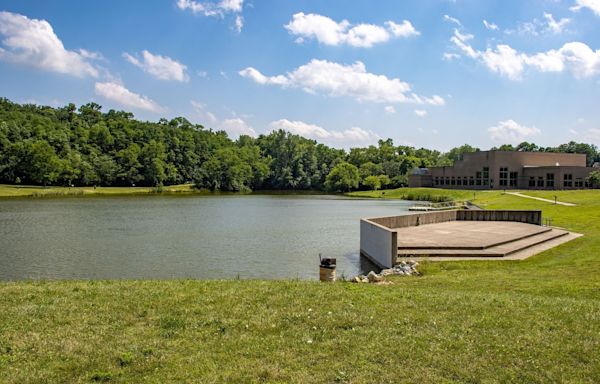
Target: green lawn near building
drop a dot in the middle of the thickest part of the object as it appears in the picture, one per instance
(536, 320)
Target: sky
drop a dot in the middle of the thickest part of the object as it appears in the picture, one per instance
(430, 73)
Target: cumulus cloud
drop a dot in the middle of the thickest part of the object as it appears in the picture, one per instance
(215, 9)
(536, 27)
(592, 5)
(32, 42)
(161, 67)
(354, 135)
(420, 112)
(509, 131)
(119, 94)
(490, 26)
(577, 57)
(329, 32)
(237, 127)
(204, 114)
(453, 20)
(333, 79)
(389, 109)
(208, 8)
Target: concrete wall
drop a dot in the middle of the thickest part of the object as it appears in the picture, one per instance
(529, 217)
(415, 219)
(378, 243)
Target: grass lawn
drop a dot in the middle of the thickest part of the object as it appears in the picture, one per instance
(37, 191)
(536, 320)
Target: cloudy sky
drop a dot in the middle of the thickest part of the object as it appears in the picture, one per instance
(435, 73)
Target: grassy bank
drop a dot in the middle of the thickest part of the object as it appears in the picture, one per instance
(420, 194)
(37, 191)
(536, 320)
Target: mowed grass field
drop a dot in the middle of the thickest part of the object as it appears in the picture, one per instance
(37, 191)
(531, 321)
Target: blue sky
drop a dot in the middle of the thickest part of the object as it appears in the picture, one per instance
(433, 73)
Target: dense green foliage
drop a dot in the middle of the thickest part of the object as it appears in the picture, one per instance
(41, 145)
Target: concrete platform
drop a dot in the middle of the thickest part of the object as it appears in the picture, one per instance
(465, 234)
(475, 239)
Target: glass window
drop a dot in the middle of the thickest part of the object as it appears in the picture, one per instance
(550, 180)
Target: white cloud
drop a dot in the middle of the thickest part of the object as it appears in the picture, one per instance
(420, 112)
(404, 29)
(537, 27)
(216, 9)
(354, 135)
(452, 20)
(239, 23)
(124, 97)
(389, 109)
(208, 8)
(593, 5)
(161, 67)
(329, 32)
(450, 56)
(490, 26)
(204, 114)
(333, 79)
(33, 42)
(509, 131)
(554, 26)
(577, 57)
(236, 127)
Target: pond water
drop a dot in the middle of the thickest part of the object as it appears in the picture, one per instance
(163, 237)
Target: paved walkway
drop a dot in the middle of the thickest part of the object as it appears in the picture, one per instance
(541, 199)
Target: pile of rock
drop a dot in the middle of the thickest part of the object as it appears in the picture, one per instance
(403, 268)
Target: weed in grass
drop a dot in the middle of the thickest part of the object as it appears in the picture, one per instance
(101, 377)
(125, 359)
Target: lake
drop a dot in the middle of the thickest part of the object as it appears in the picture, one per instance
(257, 236)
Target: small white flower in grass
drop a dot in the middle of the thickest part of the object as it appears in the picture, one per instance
(329, 313)
(309, 341)
(309, 309)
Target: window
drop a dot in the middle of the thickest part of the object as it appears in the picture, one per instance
(465, 180)
(471, 180)
(550, 180)
(513, 179)
(532, 181)
(540, 181)
(579, 184)
(447, 180)
(458, 181)
(568, 180)
(503, 177)
(452, 180)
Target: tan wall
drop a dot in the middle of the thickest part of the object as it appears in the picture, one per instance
(411, 220)
(523, 163)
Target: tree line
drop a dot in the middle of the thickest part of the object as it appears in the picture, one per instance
(84, 146)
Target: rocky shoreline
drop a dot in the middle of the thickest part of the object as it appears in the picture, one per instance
(403, 268)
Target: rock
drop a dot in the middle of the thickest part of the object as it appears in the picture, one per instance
(357, 279)
(386, 272)
(375, 278)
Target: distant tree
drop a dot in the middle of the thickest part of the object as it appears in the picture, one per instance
(594, 179)
(343, 178)
(372, 182)
(455, 154)
(527, 147)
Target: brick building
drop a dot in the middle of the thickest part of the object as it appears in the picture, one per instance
(507, 170)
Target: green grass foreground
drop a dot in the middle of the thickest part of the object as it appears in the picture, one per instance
(37, 191)
(536, 320)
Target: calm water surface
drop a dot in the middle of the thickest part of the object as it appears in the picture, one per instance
(162, 237)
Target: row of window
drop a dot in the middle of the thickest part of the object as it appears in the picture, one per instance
(508, 179)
